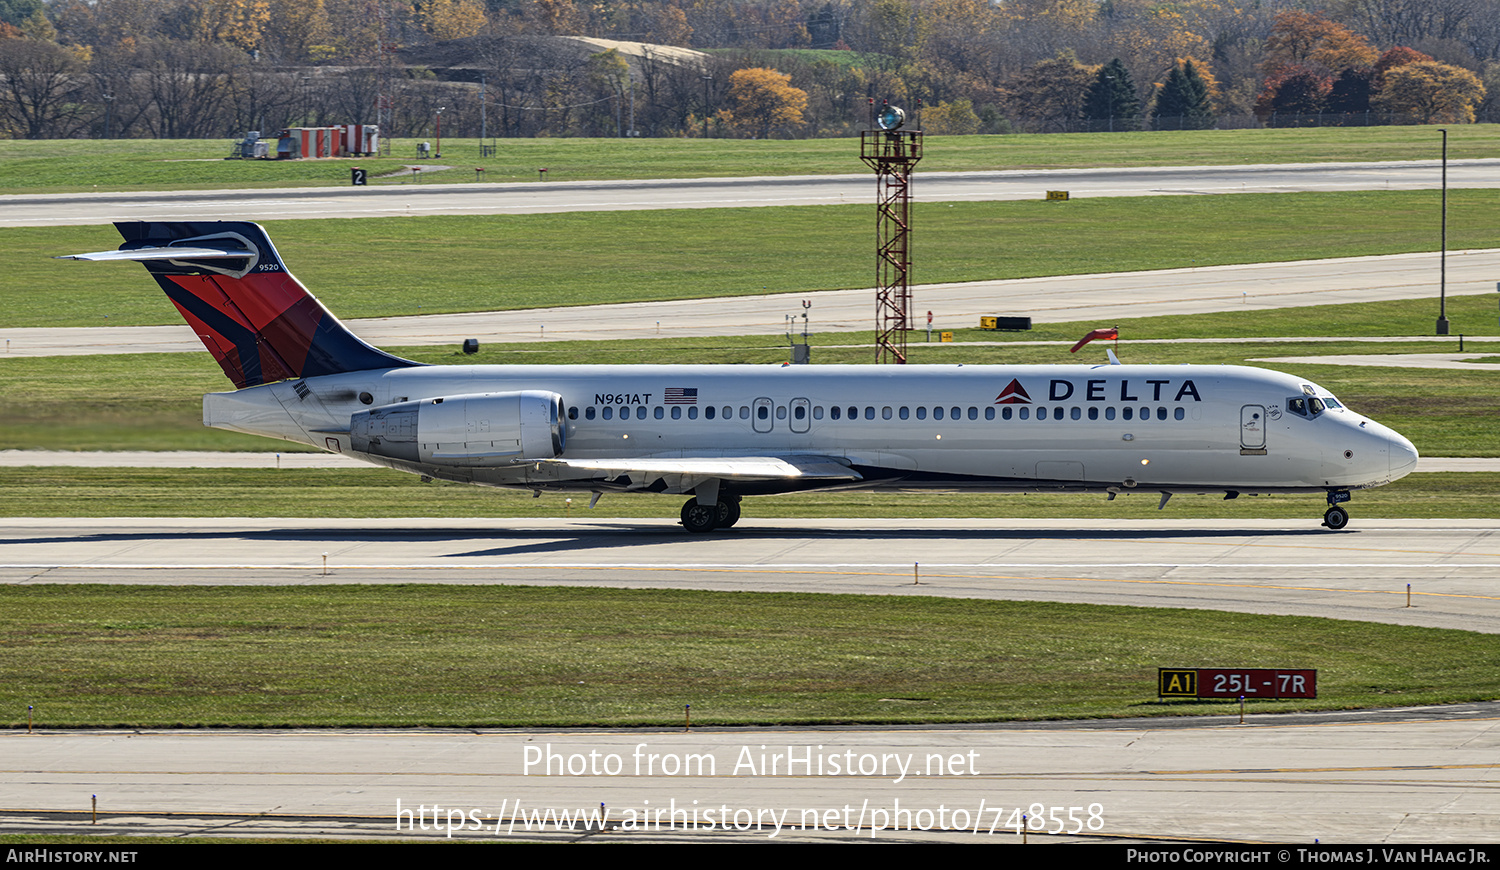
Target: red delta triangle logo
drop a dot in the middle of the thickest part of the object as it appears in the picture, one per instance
(1013, 394)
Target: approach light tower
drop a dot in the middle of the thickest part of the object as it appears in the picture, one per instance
(892, 152)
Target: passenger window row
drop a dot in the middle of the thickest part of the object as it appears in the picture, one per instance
(853, 412)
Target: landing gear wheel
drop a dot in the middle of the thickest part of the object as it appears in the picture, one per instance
(699, 518)
(729, 512)
(1336, 518)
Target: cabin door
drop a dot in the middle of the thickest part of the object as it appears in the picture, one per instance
(1253, 427)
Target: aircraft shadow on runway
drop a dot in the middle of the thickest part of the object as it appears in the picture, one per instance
(624, 535)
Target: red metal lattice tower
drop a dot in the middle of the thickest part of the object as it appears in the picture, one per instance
(892, 154)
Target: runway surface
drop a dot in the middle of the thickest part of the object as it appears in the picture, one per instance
(1257, 566)
(531, 198)
(1425, 776)
(1105, 297)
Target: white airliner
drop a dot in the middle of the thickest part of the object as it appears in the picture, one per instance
(718, 433)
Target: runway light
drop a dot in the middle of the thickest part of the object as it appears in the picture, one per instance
(1145, 462)
(890, 118)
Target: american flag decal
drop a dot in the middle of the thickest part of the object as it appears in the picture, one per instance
(681, 396)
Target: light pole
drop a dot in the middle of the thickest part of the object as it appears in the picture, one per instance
(1111, 86)
(707, 80)
(439, 131)
(1442, 321)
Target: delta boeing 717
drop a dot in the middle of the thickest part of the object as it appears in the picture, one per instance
(719, 433)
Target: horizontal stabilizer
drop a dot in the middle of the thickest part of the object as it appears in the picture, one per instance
(182, 252)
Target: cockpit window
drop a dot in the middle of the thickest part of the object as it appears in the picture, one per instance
(1311, 406)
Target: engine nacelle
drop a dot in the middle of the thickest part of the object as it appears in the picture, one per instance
(481, 429)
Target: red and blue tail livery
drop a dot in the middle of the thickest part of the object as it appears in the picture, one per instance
(257, 320)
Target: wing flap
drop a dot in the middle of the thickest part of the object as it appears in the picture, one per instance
(723, 467)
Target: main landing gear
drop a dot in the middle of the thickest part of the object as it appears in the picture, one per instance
(698, 518)
(1336, 517)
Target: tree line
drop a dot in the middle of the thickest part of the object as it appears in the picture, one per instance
(207, 68)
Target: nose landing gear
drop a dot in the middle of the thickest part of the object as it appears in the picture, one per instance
(1336, 517)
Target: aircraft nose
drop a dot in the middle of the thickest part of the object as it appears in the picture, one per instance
(1403, 455)
(1373, 454)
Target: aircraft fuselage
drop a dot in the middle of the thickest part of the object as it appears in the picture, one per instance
(1157, 428)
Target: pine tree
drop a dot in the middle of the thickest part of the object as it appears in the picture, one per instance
(1111, 102)
(1182, 103)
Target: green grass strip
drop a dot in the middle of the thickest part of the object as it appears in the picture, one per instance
(141, 164)
(505, 656)
(399, 266)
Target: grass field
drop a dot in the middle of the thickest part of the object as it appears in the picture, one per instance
(506, 655)
(119, 165)
(399, 266)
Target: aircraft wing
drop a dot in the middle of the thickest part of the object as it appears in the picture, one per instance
(722, 467)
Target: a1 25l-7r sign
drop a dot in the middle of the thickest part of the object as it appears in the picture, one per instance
(1267, 683)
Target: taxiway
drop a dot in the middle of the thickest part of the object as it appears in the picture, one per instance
(561, 196)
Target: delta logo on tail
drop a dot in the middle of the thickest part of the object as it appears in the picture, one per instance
(1013, 394)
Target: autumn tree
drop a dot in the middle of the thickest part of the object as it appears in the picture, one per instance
(762, 100)
(294, 27)
(453, 19)
(958, 38)
(1433, 93)
(1304, 39)
(1040, 29)
(951, 119)
(1396, 55)
(895, 30)
(239, 23)
(555, 16)
(1050, 94)
(1110, 100)
(1152, 38)
(1183, 102)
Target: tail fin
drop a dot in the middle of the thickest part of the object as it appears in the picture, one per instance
(258, 321)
